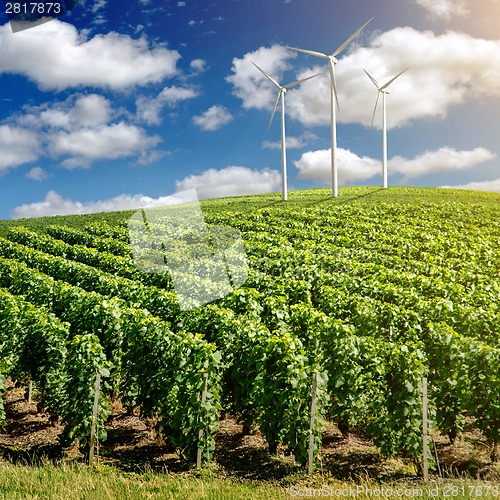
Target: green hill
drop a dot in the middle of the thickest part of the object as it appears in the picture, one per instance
(360, 296)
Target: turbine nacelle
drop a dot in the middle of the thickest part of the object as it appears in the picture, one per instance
(382, 89)
(332, 59)
(281, 88)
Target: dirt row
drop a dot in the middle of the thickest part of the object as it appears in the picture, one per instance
(134, 445)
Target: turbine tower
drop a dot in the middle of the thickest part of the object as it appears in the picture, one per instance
(281, 94)
(332, 60)
(384, 91)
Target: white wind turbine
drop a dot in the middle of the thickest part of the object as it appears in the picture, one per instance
(384, 91)
(332, 60)
(281, 94)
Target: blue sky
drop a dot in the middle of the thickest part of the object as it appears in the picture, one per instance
(120, 104)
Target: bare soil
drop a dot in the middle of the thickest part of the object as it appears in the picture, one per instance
(133, 445)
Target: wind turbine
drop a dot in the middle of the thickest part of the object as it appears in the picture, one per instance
(281, 94)
(332, 60)
(384, 91)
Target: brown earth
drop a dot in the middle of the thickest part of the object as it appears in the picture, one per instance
(133, 445)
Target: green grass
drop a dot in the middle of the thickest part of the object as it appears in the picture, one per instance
(63, 482)
(80, 482)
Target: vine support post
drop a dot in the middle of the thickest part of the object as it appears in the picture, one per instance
(94, 418)
(310, 461)
(30, 391)
(200, 433)
(425, 448)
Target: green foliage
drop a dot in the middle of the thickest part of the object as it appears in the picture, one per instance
(370, 291)
(87, 359)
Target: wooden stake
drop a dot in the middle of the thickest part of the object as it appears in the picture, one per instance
(310, 461)
(30, 391)
(424, 430)
(94, 418)
(200, 433)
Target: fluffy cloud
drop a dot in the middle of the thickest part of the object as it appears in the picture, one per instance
(441, 160)
(37, 174)
(444, 8)
(77, 111)
(316, 165)
(444, 71)
(231, 181)
(81, 130)
(213, 118)
(91, 110)
(211, 183)
(17, 146)
(107, 142)
(249, 84)
(198, 65)
(56, 56)
(292, 142)
(55, 204)
(148, 110)
(493, 185)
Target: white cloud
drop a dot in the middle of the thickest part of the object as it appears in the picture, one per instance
(316, 165)
(148, 110)
(292, 142)
(249, 84)
(17, 146)
(213, 118)
(441, 160)
(77, 111)
(37, 174)
(91, 110)
(444, 8)
(81, 130)
(56, 56)
(231, 181)
(98, 4)
(55, 204)
(198, 65)
(493, 185)
(107, 142)
(444, 71)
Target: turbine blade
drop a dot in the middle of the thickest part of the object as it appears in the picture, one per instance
(375, 108)
(392, 79)
(372, 79)
(310, 52)
(350, 39)
(274, 109)
(267, 75)
(333, 83)
(290, 85)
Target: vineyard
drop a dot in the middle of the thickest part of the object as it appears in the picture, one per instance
(360, 297)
